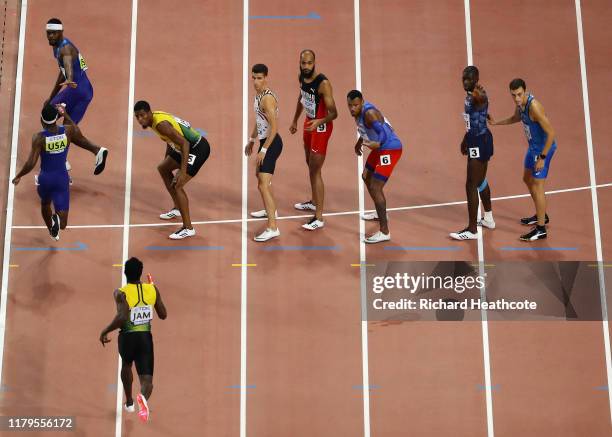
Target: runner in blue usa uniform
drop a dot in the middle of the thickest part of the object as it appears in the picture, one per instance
(541, 148)
(477, 144)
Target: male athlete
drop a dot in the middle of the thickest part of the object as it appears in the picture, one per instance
(541, 148)
(186, 151)
(317, 100)
(77, 91)
(135, 302)
(376, 133)
(477, 144)
(270, 147)
(51, 144)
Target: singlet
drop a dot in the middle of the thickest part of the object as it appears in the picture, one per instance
(369, 134)
(141, 300)
(536, 136)
(183, 128)
(55, 151)
(263, 125)
(475, 119)
(313, 104)
(79, 66)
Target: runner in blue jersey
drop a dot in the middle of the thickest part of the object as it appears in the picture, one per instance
(51, 144)
(542, 146)
(477, 144)
(77, 91)
(375, 132)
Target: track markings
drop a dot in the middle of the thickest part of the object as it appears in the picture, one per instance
(77, 247)
(310, 16)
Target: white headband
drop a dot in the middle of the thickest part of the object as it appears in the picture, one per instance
(54, 26)
(49, 121)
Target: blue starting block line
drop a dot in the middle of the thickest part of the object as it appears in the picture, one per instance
(78, 246)
(309, 16)
(537, 248)
(273, 248)
(238, 386)
(370, 387)
(424, 248)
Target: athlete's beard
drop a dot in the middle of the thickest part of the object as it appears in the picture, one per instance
(306, 74)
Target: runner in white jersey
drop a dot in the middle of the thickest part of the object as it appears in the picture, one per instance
(270, 147)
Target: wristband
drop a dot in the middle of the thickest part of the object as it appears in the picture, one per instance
(252, 140)
(264, 150)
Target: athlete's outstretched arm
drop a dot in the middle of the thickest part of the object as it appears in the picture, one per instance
(515, 118)
(37, 144)
(57, 87)
(298, 111)
(160, 308)
(537, 114)
(67, 53)
(122, 315)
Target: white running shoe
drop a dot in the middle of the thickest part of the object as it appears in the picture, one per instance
(143, 407)
(129, 408)
(305, 206)
(370, 216)
(173, 213)
(182, 233)
(377, 237)
(55, 227)
(464, 235)
(266, 235)
(262, 214)
(486, 223)
(100, 160)
(313, 224)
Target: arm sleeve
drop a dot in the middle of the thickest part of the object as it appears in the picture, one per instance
(380, 130)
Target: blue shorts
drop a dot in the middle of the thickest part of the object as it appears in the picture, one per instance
(479, 147)
(76, 99)
(54, 187)
(532, 156)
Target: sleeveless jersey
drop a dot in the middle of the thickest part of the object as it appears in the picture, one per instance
(369, 134)
(79, 66)
(536, 136)
(141, 300)
(263, 125)
(55, 151)
(475, 119)
(313, 105)
(183, 128)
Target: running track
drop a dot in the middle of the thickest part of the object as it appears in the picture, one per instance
(279, 349)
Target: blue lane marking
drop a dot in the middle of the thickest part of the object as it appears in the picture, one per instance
(421, 248)
(371, 387)
(150, 133)
(184, 247)
(79, 246)
(310, 16)
(538, 248)
(602, 388)
(238, 386)
(301, 248)
(482, 387)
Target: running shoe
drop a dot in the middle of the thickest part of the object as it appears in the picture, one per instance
(266, 235)
(143, 408)
(182, 233)
(173, 213)
(55, 227)
(377, 237)
(464, 235)
(100, 160)
(486, 223)
(533, 220)
(262, 214)
(305, 206)
(535, 234)
(369, 216)
(129, 408)
(313, 224)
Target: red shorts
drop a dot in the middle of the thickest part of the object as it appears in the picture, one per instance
(382, 162)
(316, 141)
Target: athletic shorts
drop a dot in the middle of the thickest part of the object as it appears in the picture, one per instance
(76, 99)
(198, 154)
(137, 347)
(274, 150)
(479, 147)
(382, 162)
(54, 187)
(530, 161)
(316, 141)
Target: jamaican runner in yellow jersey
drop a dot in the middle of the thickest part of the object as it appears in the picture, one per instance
(186, 151)
(135, 303)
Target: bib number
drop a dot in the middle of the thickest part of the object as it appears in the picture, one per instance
(141, 315)
(55, 144)
(322, 127)
(191, 159)
(474, 152)
(466, 118)
(385, 159)
(82, 63)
